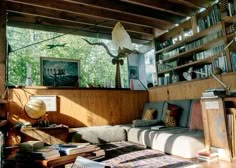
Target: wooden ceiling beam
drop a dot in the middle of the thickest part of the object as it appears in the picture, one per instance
(194, 3)
(169, 7)
(132, 9)
(75, 26)
(81, 31)
(97, 13)
(72, 18)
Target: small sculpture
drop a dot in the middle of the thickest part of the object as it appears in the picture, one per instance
(117, 60)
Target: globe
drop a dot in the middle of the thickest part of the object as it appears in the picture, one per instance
(35, 108)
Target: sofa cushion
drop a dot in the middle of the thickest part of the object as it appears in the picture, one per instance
(97, 135)
(144, 135)
(195, 120)
(157, 106)
(185, 106)
(185, 143)
(145, 123)
(173, 113)
(150, 114)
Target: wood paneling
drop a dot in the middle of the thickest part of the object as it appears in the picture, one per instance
(2, 45)
(81, 107)
(190, 90)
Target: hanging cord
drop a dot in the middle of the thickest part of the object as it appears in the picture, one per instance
(84, 28)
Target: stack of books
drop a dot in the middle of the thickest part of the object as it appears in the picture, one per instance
(214, 93)
(45, 153)
(157, 127)
(39, 154)
(76, 148)
(207, 155)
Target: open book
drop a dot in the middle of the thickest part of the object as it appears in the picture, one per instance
(157, 127)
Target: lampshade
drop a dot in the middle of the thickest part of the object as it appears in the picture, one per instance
(187, 76)
(121, 38)
(35, 108)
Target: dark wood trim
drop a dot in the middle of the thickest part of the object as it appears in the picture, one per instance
(96, 13)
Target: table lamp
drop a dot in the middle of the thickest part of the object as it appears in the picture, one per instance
(188, 76)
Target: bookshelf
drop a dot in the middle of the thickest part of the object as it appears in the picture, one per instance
(219, 133)
(202, 49)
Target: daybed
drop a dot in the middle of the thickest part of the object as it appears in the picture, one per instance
(184, 140)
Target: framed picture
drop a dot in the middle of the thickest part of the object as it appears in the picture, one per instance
(133, 72)
(59, 72)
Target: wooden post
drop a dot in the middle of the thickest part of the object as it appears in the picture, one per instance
(215, 129)
(2, 45)
(194, 24)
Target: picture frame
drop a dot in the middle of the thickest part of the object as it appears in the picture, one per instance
(59, 72)
(133, 72)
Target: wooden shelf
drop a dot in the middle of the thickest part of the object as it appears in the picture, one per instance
(205, 32)
(207, 60)
(229, 19)
(209, 45)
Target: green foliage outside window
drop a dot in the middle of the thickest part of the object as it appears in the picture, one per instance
(95, 64)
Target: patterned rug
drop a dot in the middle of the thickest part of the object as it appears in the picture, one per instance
(125, 154)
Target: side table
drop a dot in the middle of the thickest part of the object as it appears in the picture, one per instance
(49, 135)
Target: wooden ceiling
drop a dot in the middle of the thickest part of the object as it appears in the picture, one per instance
(97, 18)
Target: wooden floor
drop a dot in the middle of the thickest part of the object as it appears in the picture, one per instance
(216, 164)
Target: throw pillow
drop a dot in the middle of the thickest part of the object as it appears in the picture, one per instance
(195, 120)
(173, 113)
(150, 114)
(145, 123)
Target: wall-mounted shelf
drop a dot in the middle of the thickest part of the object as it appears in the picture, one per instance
(204, 61)
(203, 47)
(203, 33)
(203, 51)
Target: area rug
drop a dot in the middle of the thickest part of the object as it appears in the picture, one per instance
(125, 154)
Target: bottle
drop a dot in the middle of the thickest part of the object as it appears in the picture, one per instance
(28, 81)
(46, 121)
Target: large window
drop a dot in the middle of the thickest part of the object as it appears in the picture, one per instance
(27, 46)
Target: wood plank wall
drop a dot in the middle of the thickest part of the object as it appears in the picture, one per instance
(2, 45)
(78, 107)
(190, 90)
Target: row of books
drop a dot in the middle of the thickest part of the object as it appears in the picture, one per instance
(233, 60)
(231, 28)
(228, 7)
(160, 45)
(208, 53)
(204, 71)
(166, 66)
(204, 40)
(221, 63)
(194, 44)
(210, 19)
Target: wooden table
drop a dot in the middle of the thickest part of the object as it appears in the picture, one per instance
(63, 160)
(59, 162)
(49, 135)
